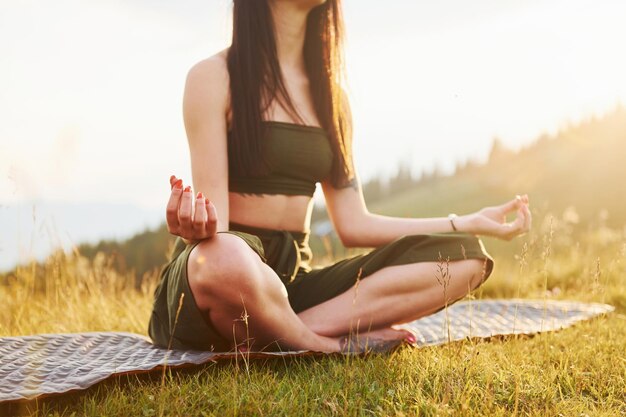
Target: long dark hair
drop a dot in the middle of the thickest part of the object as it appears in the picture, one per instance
(256, 80)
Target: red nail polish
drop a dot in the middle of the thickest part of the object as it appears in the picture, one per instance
(199, 195)
(178, 184)
(187, 189)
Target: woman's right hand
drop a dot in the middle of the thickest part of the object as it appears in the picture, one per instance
(190, 220)
(491, 221)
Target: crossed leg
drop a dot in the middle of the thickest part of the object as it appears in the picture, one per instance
(246, 301)
(244, 298)
(393, 295)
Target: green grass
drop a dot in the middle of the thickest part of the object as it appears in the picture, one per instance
(572, 372)
(577, 371)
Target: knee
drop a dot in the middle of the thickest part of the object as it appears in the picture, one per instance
(222, 264)
(474, 270)
(465, 275)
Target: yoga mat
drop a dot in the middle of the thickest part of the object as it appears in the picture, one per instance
(46, 364)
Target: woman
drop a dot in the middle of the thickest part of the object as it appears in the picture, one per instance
(265, 120)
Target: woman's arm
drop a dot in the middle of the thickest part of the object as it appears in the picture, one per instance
(205, 104)
(357, 227)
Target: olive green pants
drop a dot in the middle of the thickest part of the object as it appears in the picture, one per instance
(289, 254)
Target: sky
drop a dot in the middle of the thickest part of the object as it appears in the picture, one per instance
(91, 90)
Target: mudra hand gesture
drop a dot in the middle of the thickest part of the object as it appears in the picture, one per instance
(491, 221)
(186, 218)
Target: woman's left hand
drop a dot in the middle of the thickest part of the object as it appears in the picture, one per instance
(491, 221)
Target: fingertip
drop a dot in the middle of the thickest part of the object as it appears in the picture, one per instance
(513, 203)
(212, 214)
(185, 194)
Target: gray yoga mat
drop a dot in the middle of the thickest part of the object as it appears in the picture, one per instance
(46, 364)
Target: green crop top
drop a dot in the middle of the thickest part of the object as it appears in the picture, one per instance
(299, 156)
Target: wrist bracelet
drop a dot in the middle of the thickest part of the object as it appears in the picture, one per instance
(451, 217)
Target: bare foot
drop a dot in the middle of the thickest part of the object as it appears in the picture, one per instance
(380, 340)
(390, 333)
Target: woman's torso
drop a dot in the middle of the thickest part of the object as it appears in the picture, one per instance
(277, 211)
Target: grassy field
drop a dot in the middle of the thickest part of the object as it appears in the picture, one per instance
(574, 372)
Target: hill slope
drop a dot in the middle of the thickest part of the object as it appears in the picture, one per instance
(583, 166)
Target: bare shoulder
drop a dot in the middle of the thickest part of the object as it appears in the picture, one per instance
(207, 86)
(213, 69)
